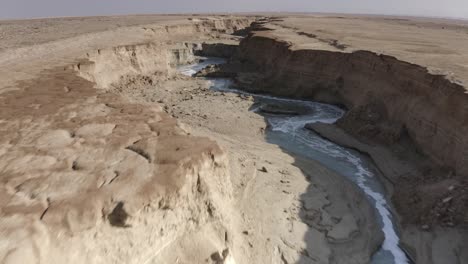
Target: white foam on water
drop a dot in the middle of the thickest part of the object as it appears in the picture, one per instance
(191, 69)
(391, 242)
(188, 72)
(294, 126)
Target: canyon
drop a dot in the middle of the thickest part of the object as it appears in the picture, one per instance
(112, 152)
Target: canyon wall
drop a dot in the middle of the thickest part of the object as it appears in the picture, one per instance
(388, 98)
(89, 177)
(157, 59)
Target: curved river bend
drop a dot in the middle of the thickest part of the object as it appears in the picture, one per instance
(289, 133)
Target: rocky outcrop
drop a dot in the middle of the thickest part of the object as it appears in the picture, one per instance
(89, 177)
(387, 97)
(106, 67)
(158, 58)
(100, 167)
(221, 50)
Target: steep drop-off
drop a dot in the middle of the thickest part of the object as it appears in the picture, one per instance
(401, 97)
(420, 117)
(89, 177)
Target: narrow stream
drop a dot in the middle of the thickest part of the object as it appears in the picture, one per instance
(288, 132)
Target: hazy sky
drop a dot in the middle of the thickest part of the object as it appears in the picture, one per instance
(48, 8)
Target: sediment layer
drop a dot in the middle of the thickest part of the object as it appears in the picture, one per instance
(395, 107)
(387, 98)
(80, 165)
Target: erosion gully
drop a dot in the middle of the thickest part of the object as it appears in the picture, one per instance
(289, 133)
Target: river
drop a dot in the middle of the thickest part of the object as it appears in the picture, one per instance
(288, 132)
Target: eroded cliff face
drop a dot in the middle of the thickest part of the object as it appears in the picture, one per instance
(154, 59)
(387, 98)
(89, 177)
(420, 117)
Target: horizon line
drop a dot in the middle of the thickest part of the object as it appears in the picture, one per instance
(253, 13)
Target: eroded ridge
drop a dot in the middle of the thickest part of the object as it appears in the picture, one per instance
(87, 175)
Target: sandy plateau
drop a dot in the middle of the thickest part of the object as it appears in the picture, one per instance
(108, 154)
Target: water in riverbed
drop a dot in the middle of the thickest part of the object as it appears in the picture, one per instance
(191, 69)
(289, 133)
